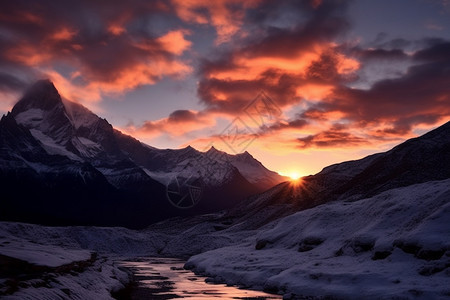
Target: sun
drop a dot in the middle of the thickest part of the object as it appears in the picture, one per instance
(293, 175)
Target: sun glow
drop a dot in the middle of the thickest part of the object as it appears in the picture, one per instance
(293, 175)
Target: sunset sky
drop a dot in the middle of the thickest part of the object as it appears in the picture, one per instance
(298, 84)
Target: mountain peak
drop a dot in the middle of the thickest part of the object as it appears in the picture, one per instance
(245, 154)
(214, 150)
(41, 95)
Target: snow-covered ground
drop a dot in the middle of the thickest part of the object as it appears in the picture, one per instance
(95, 281)
(41, 255)
(79, 262)
(393, 245)
(39, 262)
(30, 270)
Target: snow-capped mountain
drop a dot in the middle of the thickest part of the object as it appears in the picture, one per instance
(53, 150)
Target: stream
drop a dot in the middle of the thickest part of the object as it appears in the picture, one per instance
(165, 278)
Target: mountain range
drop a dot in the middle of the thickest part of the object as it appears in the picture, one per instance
(373, 228)
(62, 164)
(417, 160)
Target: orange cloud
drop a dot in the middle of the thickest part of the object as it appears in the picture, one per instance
(174, 41)
(63, 34)
(177, 124)
(225, 15)
(148, 72)
(26, 54)
(116, 29)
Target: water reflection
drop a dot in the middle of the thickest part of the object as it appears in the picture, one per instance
(165, 278)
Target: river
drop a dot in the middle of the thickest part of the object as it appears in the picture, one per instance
(165, 278)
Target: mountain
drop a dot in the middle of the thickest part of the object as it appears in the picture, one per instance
(62, 164)
(418, 160)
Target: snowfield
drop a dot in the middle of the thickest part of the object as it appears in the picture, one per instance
(393, 245)
(80, 262)
(96, 281)
(41, 271)
(41, 255)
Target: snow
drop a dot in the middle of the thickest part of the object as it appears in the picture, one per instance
(255, 172)
(41, 255)
(30, 118)
(96, 282)
(86, 147)
(68, 270)
(79, 115)
(393, 245)
(51, 146)
(104, 240)
(339, 240)
(162, 177)
(212, 172)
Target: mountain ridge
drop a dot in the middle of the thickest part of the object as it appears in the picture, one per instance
(417, 160)
(56, 129)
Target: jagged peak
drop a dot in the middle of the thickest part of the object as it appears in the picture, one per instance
(189, 148)
(214, 150)
(42, 95)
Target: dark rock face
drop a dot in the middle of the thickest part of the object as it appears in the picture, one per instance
(42, 95)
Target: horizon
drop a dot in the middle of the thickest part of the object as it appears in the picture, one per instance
(337, 84)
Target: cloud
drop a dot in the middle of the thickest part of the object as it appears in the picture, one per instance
(11, 83)
(291, 63)
(304, 66)
(331, 138)
(178, 123)
(380, 54)
(225, 15)
(395, 106)
(299, 52)
(108, 47)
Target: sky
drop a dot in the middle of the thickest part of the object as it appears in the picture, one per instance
(298, 84)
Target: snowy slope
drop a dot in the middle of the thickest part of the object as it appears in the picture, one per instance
(422, 159)
(41, 255)
(95, 281)
(395, 244)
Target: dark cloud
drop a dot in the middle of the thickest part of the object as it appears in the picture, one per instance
(380, 54)
(331, 138)
(177, 123)
(397, 43)
(183, 115)
(436, 53)
(11, 83)
(292, 124)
